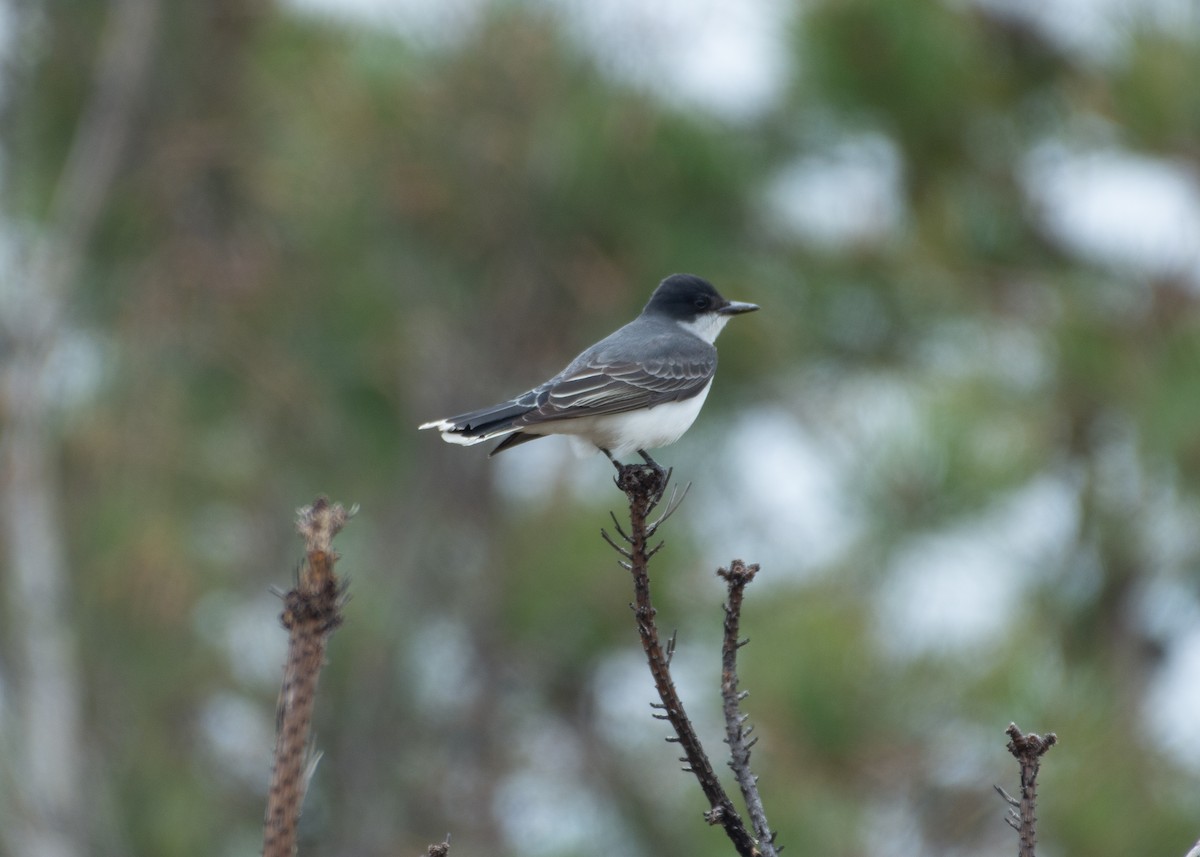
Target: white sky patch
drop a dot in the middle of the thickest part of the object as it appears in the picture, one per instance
(8, 41)
(441, 666)
(954, 592)
(1173, 700)
(891, 826)
(239, 733)
(850, 195)
(437, 23)
(960, 752)
(1166, 608)
(728, 58)
(986, 347)
(74, 369)
(1097, 30)
(545, 807)
(1172, 538)
(945, 593)
(552, 815)
(542, 472)
(780, 492)
(623, 690)
(1125, 211)
(247, 631)
(867, 411)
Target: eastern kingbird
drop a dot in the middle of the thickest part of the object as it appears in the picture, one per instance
(637, 389)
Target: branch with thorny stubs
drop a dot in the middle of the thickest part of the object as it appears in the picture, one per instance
(312, 610)
(1022, 814)
(737, 733)
(644, 485)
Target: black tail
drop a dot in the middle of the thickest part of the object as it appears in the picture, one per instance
(485, 422)
(477, 426)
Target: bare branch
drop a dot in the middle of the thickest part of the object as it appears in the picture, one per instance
(736, 577)
(620, 531)
(1022, 815)
(677, 497)
(622, 551)
(312, 610)
(644, 485)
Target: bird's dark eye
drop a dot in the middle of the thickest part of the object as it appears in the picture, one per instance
(701, 303)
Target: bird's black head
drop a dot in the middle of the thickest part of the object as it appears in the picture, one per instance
(686, 297)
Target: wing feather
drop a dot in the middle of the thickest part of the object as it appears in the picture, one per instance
(603, 381)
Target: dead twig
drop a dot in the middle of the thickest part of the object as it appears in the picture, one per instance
(737, 733)
(644, 485)
(1022, 814)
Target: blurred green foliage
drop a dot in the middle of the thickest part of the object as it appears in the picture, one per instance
(323, 234)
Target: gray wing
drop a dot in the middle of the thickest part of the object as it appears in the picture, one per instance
(604, 380)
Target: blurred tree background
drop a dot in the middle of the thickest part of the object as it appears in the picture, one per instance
(248, 247)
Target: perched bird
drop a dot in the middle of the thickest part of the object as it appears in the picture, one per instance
(637, 389)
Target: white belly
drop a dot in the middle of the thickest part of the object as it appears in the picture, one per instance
(622, 434)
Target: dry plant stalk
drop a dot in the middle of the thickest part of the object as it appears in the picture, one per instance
(312, 610)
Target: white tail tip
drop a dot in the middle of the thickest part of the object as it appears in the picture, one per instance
(451, 435)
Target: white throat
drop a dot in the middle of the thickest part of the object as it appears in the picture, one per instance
(708, 326)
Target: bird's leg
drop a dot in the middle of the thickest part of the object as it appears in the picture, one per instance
(615, 463)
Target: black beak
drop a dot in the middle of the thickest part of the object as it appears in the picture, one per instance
(737, 308)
